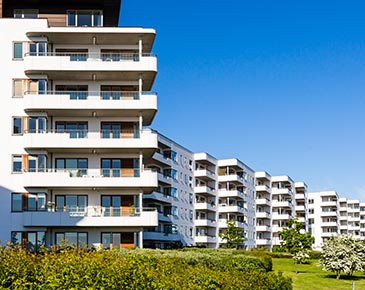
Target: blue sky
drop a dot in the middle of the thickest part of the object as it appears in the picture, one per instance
(278, 84)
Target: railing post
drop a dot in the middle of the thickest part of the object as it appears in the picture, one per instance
(140, 46)
(140, 84)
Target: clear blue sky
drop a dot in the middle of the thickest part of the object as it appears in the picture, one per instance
(278, 84)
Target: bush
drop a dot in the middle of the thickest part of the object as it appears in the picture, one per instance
(315, 255)
(137, 269)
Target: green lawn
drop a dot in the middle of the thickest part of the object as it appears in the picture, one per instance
(311, 277)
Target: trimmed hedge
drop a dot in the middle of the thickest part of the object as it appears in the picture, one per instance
(136, 269)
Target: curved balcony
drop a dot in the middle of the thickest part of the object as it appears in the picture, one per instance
(90, 103)
(92, 216)
(93, 66)
(93, 179)
(82, 141)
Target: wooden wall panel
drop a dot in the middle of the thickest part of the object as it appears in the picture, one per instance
(55, 20)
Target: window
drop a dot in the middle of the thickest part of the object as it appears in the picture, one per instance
(26, 13)
(36, 163)
(32, 240)
(18, 90)
(28, 201)
(119, 205)
(16, 202)
(120, 167)
(71, 203)
(17, 164)
(36, 124)
(75, 129)
(76, 166)
(17, 125)
(118, 240)
(75, 239)
(76, 92)
(18, 50)
(84, 18)
(38, 48)
(119, 130)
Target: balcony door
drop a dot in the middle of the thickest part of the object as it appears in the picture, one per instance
(118, 205)
(71, 203)
(118, 240)
(76, 166)
(75, 129)
(76, 92)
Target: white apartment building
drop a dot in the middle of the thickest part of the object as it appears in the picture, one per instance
(236, 194)
(350, 217)
(324, 216)
(173, 198)
(76, 97)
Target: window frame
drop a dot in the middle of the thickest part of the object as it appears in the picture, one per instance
(92, 13)
(22, 52)
(12, 164)
(23, 13)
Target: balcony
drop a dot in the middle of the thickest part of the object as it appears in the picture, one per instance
(263, 228)
(328, 235)
(204, 190)
(90, 178)
(263, 201)
(284, 216)
(87, 104)
(81, 141)
(162, 159)
(91, 217)
(263, 188)
(329, 224)
(282, 203)
(223, 224)
(93, 66)
(159, 197)
(231, 193)
(263, 215)
(234, 178)
(204, 223)
(160, 236)
(205, 239)
(205, 174)
(232, 209)
(205, 206)
(300, 208)
(329, 213)
(263, 242)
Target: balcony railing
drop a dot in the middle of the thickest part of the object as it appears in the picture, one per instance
(85, 134)
(99, 95)
(100, 211)
(85, 172)
(101, 56)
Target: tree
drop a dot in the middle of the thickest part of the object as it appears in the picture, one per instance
(295, 241)
(343, 254)
(233, 235)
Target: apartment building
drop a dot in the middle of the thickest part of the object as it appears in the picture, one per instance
(324, 216)
(173, 198)
(76, 97)
(350, 217)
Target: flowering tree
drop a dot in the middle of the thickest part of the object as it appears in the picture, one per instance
(343, 254)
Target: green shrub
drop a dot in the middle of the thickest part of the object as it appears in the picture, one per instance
(137, 269)
(315, 255)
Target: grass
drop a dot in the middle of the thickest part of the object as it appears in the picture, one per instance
(312, 277)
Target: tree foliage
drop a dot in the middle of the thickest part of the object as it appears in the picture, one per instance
(343, 254)
(293, 238)
(233, 236)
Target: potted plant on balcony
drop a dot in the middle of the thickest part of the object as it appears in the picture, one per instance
(132, 210)
(51, 205)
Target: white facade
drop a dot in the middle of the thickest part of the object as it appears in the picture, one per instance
(173, 198)
(74, 105)
(324, 216)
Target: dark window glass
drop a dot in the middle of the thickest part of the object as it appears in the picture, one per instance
(17, 163)
(17, 126)
(17, 202)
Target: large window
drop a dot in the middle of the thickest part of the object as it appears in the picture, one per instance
(26, 13)
(84, 18)
(71, 203)
(75, 239)
(76, 166)
(28, 201)
(119, 130)
(36, 163)
(119, 205)
(76, 92)
(38, 48)
(36, 124)
(120, 167)
(75, 129)
(18, 90)
(117, 240)
(32, 240)
(17, 50)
